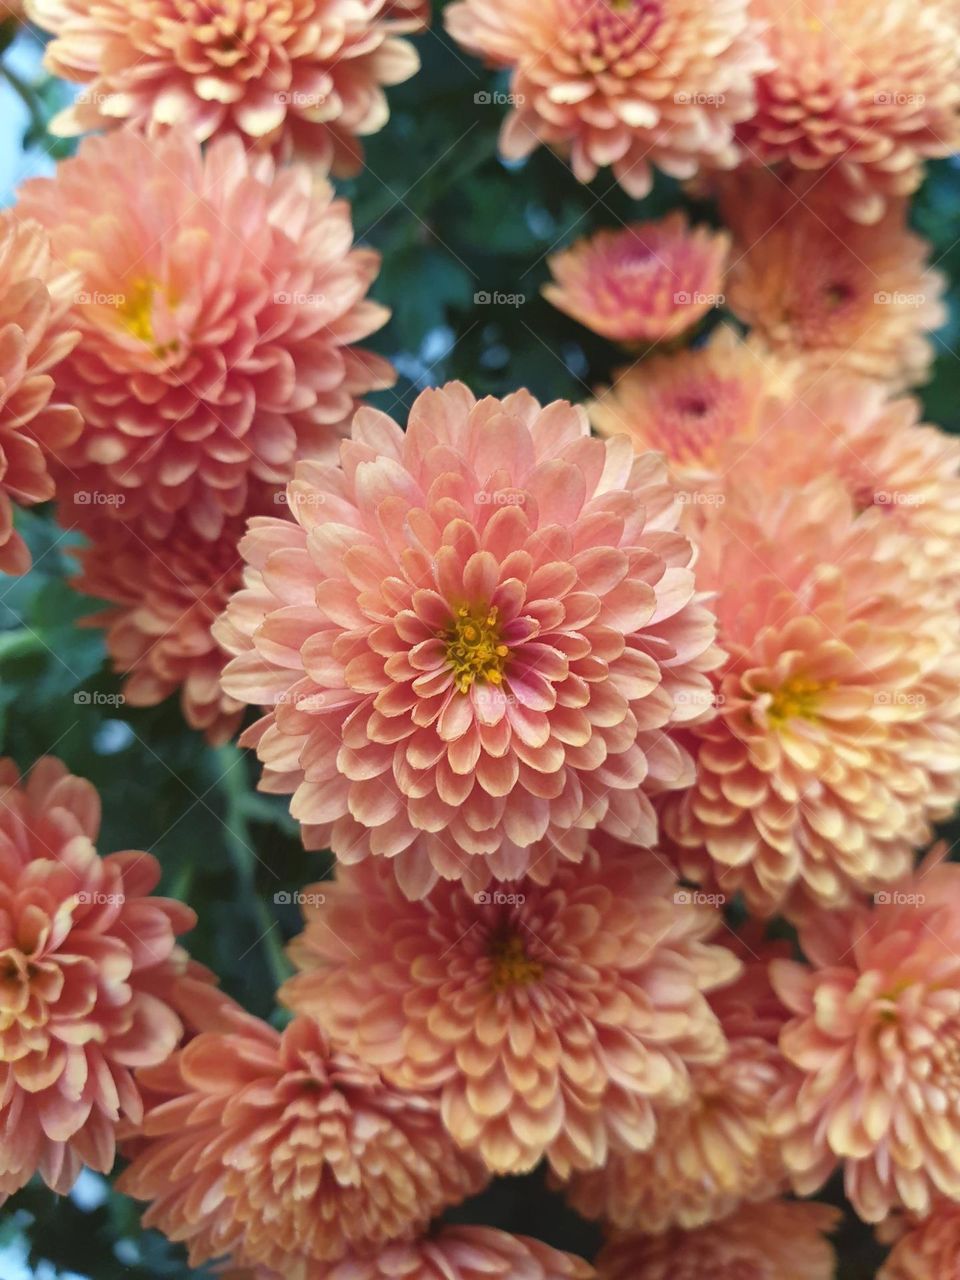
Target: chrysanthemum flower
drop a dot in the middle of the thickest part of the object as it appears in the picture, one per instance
(35, 294)
(874, 1043)
(903, 473)
(302, 76)
(407, 15)
(837, 738)
(716, 1149)
(84, 951)
(781, 1240)
(475, 642)
(691, 405)
(929, 1250)
(550, 1018)
(648, 282)
(277, 1150)
(163, 597)
(628, 85)
(815, 284)
(868, 89)
(451, 1253)
(219, 299)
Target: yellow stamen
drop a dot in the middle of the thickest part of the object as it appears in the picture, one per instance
(136, 313)
(512, 967)
(474, 648)
(796, 699)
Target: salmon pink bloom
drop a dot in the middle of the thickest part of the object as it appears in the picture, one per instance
(646, 283)
(218, 302)
(928, 1249)
(867, 89)
(303, 75)
(629, 84)
(550, 1018)
(87, 957)
(476, 642)
(780, 1240)
(875, 1041)
(284, 1153)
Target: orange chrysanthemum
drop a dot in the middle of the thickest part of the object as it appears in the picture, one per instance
(816, 285)
(691, 405)
(476, 642)
(550, 1018)
(647, 283)
(219, 301)
(35, 295)
(874, 1043)
(631, 84)
(451, 1253)
(277, 1150)
(837, 738)
(780, 1240)
(716, 1149)
(163, 598)
(86, 956)
(868, 89)
(303, 75)
(929, 1249)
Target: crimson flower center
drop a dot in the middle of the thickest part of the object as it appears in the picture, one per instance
(475, 649)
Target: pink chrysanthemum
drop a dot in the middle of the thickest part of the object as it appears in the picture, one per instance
(780, 1240)
(691, 405)
(85, 956)
(716, 1149)
(219, 301)
(550, 1018)
(163, 598)
(474, 643)
(874, 1043)
(837, 738)
(630, 85)
(816, 285)
(868, 89)
(929, 1249)
(903, 473)
(646, 283)
(307, 75)
(35, 334)
(277, 1150)
(452, 1253)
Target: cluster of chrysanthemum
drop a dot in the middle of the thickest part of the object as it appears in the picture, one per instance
(553, 699)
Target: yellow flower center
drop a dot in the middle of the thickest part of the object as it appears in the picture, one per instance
(474, 648)
(136, 313)
(512, 967)
(796, 699)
